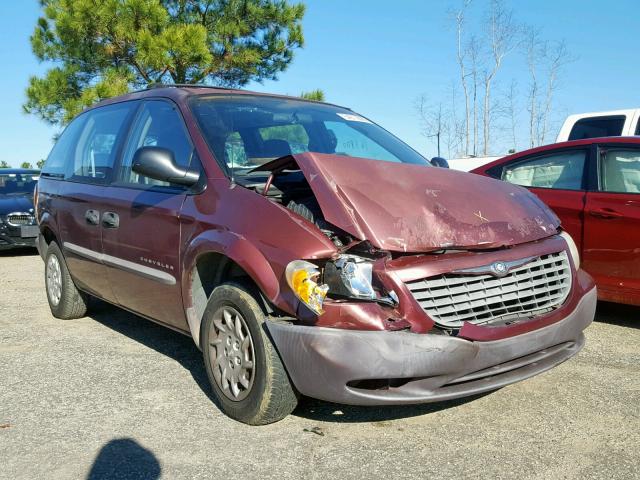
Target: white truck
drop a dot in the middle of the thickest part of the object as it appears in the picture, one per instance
(614, 123)
(468, 163)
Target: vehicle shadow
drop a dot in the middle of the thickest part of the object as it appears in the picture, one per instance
(321, 411)
(161, 339)
(19, 252)
(618, 314)
(182, 349)
(126, 459)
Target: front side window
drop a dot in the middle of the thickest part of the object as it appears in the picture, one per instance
(95, 149)
(620, 171)
(598, 127)
(158, 124)
(246, 131)
(562, 170)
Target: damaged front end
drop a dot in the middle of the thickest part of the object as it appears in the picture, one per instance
(430, 294)
(423, 222)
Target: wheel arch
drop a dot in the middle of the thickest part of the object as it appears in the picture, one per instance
(216, 257)
(47, 234)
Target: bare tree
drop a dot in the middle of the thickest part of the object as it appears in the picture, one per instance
(534, 51)
(432, 120)
(473, 50)
(455, 138)
(557, 56)
(512, 113)
(545, 62)
(502, 39)
(473, 118)
(459, 17)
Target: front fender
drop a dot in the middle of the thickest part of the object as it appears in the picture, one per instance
(237, 249)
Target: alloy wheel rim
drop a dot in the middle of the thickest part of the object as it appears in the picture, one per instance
(231, 353)
(54, 280)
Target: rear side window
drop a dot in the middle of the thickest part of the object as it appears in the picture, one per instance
(96, 146)
(58, 162)
(598, 127)
(620, 171)
(158, 124)
(562, 171)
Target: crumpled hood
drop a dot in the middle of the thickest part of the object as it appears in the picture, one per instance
(15, 203)
(413, 208)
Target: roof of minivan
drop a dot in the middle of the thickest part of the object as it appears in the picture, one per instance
(179, 92)
(558, 146)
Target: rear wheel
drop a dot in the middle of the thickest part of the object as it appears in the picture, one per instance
(248, 378)
(65, 300)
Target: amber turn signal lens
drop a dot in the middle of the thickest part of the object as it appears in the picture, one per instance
(302, 277)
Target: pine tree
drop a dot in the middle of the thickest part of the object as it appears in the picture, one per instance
(106, 48)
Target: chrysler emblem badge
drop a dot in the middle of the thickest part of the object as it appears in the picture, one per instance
(499, 268)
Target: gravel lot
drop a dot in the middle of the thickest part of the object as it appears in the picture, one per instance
(115, 396)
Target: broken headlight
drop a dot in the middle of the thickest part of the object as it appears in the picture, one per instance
(303, 277)
(350, 276)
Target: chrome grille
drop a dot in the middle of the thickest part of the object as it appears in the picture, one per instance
(17, 219)
(535, 288)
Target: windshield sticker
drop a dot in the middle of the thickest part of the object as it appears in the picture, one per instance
(353, 118)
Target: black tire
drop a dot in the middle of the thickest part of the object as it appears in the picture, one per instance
(71, 303)
(270, 397)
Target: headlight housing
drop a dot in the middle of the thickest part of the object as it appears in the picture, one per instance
(573, 249)
(350, 276)
(302, 277)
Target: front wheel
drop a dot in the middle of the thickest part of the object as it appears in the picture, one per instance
(248, 378)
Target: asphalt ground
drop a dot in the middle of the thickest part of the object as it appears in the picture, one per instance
(115, 396)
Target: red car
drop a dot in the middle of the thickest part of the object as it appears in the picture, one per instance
(593, 185)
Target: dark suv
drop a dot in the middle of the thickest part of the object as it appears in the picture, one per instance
(305, 250)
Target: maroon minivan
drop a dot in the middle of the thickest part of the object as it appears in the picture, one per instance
(306, 251)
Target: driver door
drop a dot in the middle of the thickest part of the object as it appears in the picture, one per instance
(141, 221)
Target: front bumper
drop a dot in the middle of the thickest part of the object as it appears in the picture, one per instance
(16, 241)
(344, 366)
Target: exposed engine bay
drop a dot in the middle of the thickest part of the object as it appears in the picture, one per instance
(289, 187)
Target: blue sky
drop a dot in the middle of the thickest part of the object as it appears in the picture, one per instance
(377, 57)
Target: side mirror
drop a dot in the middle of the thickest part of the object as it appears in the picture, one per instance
(439, 162)
(158, 163)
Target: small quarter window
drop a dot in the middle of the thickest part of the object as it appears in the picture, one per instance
(562, 171)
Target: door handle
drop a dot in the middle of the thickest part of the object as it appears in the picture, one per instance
(607, 213)
(110, 220)
(92, 217)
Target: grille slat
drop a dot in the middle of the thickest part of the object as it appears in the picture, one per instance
(489, 286)
(440, 299)
(478, 282)
(531, 289)
(18, 219)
